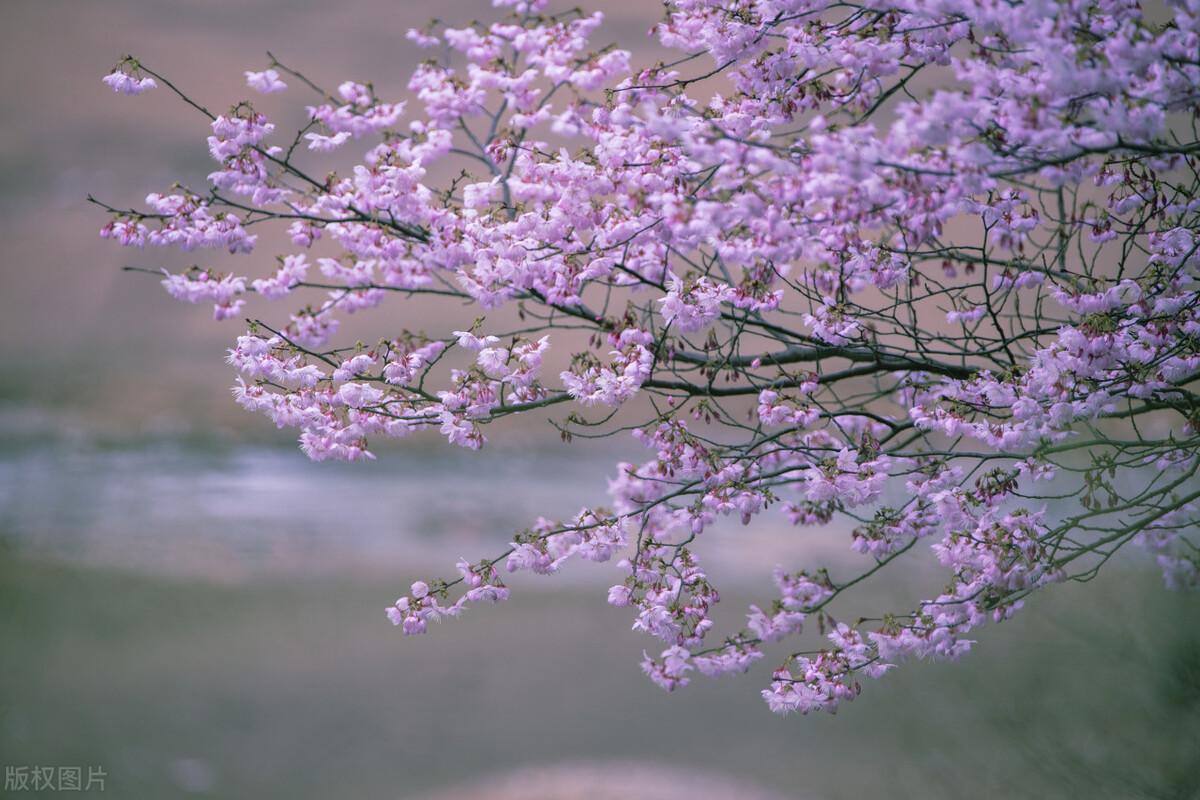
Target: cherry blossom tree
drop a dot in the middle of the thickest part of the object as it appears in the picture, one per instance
(925, 269)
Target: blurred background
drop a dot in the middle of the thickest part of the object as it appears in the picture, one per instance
(189, 605)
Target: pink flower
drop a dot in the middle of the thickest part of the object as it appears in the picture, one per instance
(266, 82)
(326, 144)
(124, 83)
(619, 595)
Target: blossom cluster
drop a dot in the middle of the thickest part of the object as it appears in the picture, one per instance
(929, 270)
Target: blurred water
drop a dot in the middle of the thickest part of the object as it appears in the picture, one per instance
(171, 507)
(237, 511)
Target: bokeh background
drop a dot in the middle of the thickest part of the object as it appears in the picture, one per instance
(188, 604)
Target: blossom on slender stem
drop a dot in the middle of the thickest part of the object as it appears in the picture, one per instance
(122, 82)
(266, 82)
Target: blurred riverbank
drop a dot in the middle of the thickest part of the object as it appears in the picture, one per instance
(298, 688)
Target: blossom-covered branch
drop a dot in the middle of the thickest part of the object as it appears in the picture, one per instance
(926, 269)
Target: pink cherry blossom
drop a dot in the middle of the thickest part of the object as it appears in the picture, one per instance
(266, 82)
(122, 82)
(924, 273)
